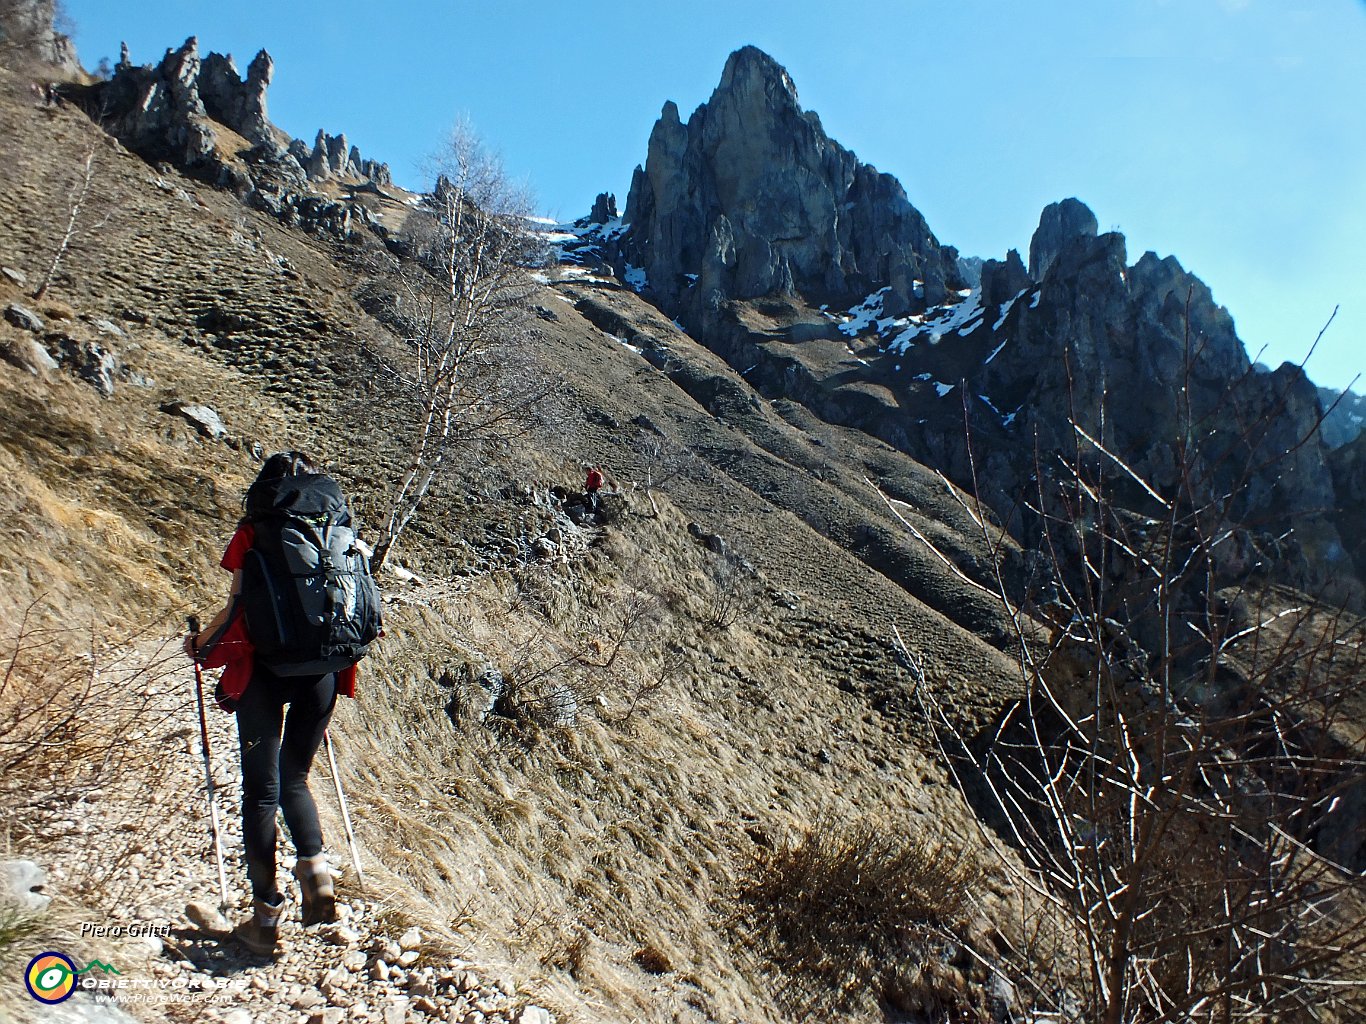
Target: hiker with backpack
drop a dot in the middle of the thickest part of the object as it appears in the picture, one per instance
(301, 613)
(592, 484)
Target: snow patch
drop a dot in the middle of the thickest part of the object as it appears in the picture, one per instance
(1005, 311)
(635, 278)
(865, 314)
(577, 241)
(961, 318)
(626, 344)
(943, 388)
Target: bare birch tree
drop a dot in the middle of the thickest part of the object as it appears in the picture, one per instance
(462, 303)
(662, 460)
(79, 203)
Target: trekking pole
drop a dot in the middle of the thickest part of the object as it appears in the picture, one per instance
(346, 815)
(208, 777)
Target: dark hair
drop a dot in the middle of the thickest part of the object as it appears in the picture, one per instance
(261, 494)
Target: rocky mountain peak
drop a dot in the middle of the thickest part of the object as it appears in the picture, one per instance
(1058, 225)
(750, 197)
(750, 71)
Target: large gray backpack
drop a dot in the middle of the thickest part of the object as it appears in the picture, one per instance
(310, 602)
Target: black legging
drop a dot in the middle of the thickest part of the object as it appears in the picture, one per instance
(275, 773)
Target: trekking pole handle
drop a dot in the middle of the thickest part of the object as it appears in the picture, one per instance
(193, 622)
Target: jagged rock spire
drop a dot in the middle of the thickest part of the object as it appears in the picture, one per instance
(751, 197)
(1058, 225)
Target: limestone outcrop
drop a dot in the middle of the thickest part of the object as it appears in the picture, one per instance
(177, 110)
(750, 197)
(29, 27)
(331, 158)
(237, 102)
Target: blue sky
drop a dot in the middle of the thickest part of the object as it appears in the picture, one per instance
(1230, 133)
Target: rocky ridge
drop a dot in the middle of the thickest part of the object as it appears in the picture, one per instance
(1345, 416)
(814, 274)
(190, 111)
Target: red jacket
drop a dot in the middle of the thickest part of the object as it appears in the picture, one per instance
(594, 481)
(233, 653)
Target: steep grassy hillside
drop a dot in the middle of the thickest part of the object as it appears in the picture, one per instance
(587, 839)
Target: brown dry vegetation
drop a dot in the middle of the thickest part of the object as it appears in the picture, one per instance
(600, 862)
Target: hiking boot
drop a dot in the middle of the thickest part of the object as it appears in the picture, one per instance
(315, 886)
(260, 932)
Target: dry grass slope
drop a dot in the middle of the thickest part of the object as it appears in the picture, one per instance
(598, 862)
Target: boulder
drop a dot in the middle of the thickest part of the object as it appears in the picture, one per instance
(203, 418)
(23, 318)
(28, 354)
(21, 884)
(90, 361)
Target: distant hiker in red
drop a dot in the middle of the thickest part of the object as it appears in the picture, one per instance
(301, 612)
(591, 486)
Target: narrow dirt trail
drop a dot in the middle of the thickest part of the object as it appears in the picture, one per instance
(132, 866)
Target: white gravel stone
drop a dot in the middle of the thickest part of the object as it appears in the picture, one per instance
(307, 999)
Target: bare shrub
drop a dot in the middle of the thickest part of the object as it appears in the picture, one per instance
(76, 715)
(853, 907)
(63, 707)
(735, 595)
(662, 460)
(606, 653)
(1178, 781)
